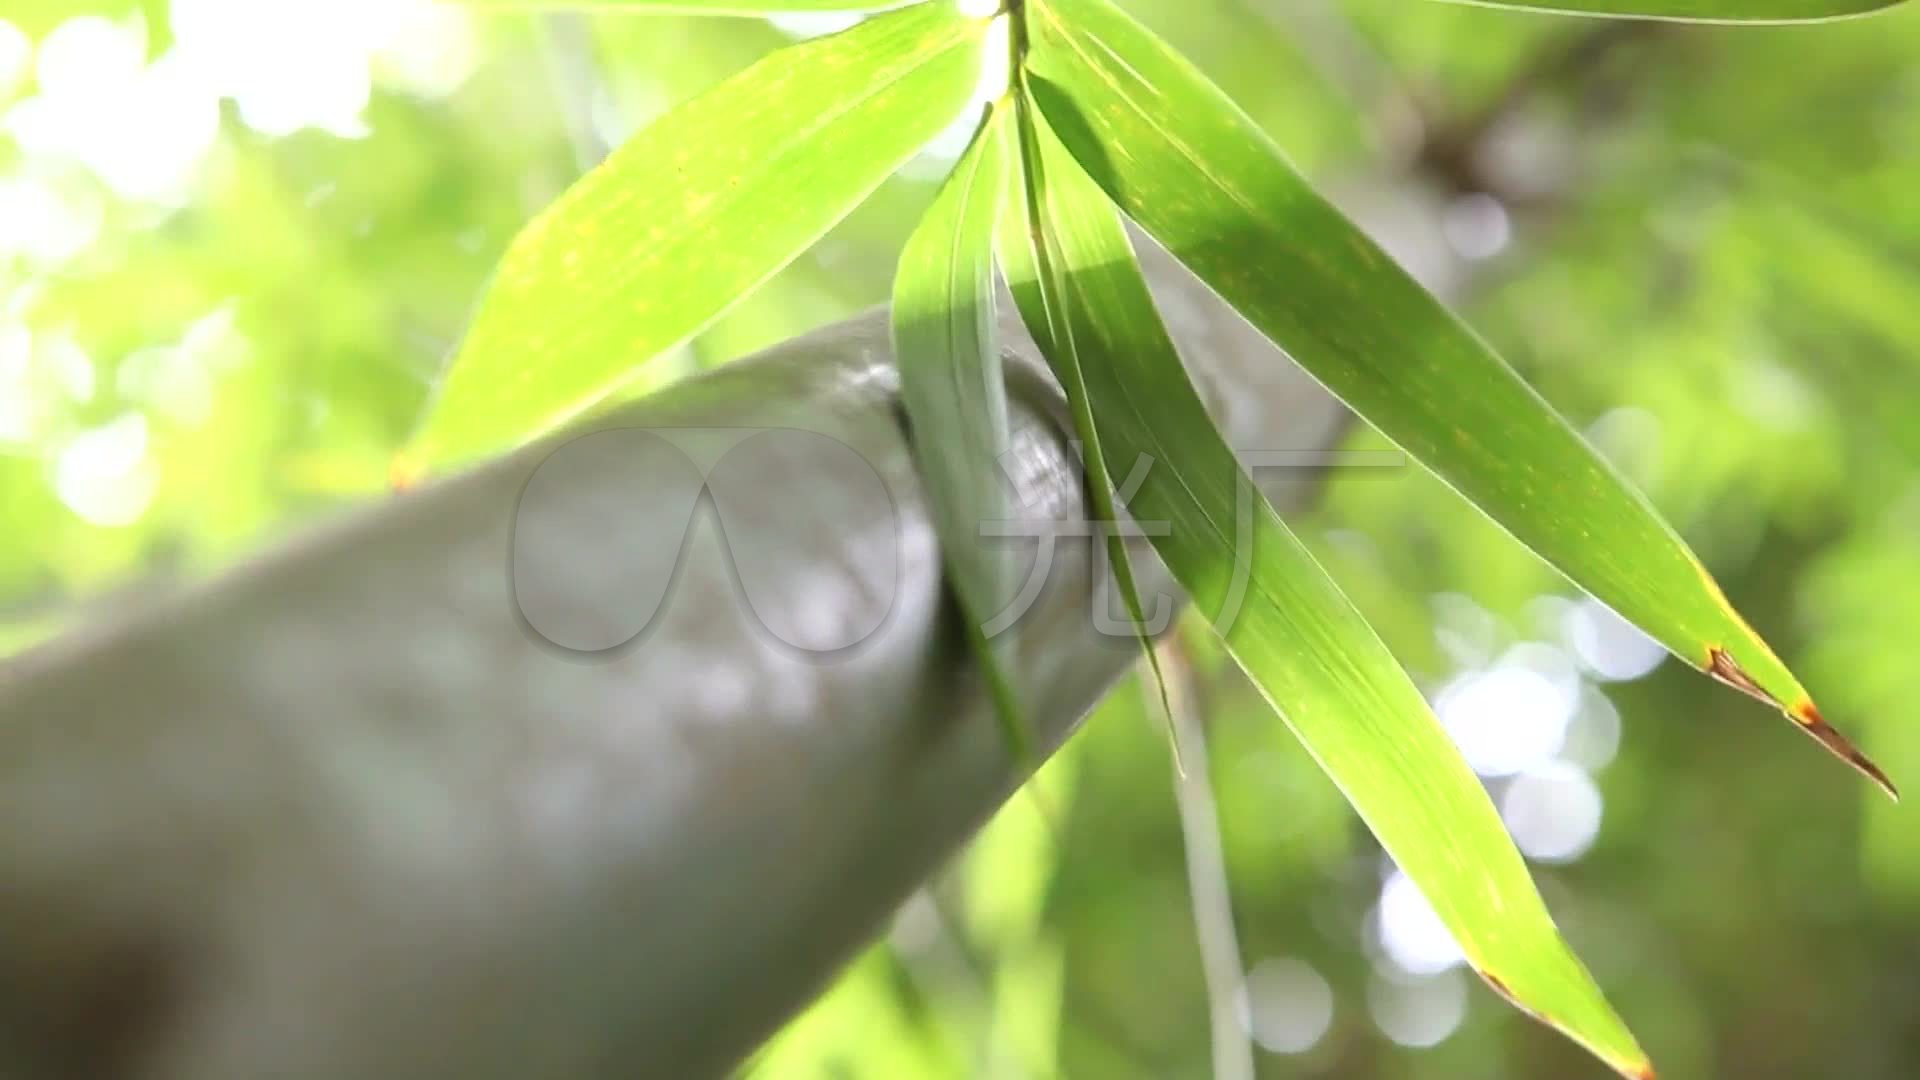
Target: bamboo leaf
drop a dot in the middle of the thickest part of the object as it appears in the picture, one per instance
(1307, 648)
(1718, 11)
(1181, 159)
(690, 216)
(1043, 310)
(956, 398)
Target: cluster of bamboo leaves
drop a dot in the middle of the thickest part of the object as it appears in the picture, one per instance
(1092, 120)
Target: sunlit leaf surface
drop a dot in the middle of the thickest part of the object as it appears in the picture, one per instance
(692, 214)
(1180, 158)
(1310, 652)
(955, 396)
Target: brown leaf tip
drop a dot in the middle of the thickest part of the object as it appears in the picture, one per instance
(1726, 669)
(1722, 666)
(1810, 720)
(1635, 1070)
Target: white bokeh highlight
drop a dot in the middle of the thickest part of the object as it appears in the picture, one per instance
(145, 126)
(1418, 1012)
(804, 25)
(1514, 714)
(106, 475)
(1593, 739)
(142, 129)
(1286, 1005)
(1608, 646)
(293, 65)
(44, 222)
(1410, 932)
(1553, 812)
(1476, 226)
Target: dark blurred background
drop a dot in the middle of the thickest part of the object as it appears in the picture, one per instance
(238, 237)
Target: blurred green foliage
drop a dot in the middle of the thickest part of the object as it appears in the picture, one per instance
(234, 251)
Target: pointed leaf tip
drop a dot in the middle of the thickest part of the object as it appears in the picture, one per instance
(1636, 1067)
(1808, 717)
(1723, 667)
(1305, 646)
(1219, 194)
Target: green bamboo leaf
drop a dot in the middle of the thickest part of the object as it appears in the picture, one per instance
(1045, 314)
(1307, 648)
(1181, 159)
(956, 397)
(1719, 11)
(690, 216)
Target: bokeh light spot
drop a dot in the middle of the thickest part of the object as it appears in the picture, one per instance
(1512, 716)
(105, 475)
(1411, 933)
(1418, 1012)
(1609, 646)
(1287, 1005)
(1553, 812)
